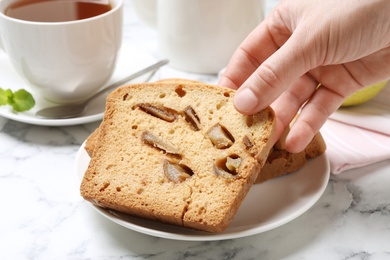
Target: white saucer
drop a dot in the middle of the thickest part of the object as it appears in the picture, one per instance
(130, 60)
(267, 205)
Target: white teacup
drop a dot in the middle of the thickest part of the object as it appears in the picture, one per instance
(201, 35)
(65, 62)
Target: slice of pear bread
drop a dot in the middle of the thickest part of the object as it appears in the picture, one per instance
(280, 162)
(176, 152)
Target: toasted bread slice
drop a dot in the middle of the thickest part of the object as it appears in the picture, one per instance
(176, 152)
(280, 162)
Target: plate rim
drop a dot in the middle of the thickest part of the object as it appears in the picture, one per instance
(49, 122)
(205, 236)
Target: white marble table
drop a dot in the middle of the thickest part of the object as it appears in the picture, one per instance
(44, 217)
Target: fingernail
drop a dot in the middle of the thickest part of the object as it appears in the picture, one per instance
(245, 100)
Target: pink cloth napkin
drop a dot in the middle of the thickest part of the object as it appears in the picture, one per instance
(360, 135)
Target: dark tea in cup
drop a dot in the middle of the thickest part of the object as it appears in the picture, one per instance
(56, 10)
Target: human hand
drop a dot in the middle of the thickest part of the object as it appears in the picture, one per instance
(344, 45)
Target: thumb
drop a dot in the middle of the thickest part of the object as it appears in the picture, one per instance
(273, 76)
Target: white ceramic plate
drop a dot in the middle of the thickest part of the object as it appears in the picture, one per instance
(267, 205)
(130, 60)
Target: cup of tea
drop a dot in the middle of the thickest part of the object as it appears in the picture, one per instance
(201, 35)
(65, 49)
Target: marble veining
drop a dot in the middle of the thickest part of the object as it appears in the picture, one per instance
(44, 217)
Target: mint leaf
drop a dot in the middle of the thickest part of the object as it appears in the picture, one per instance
(5, 96)
(22, 101)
